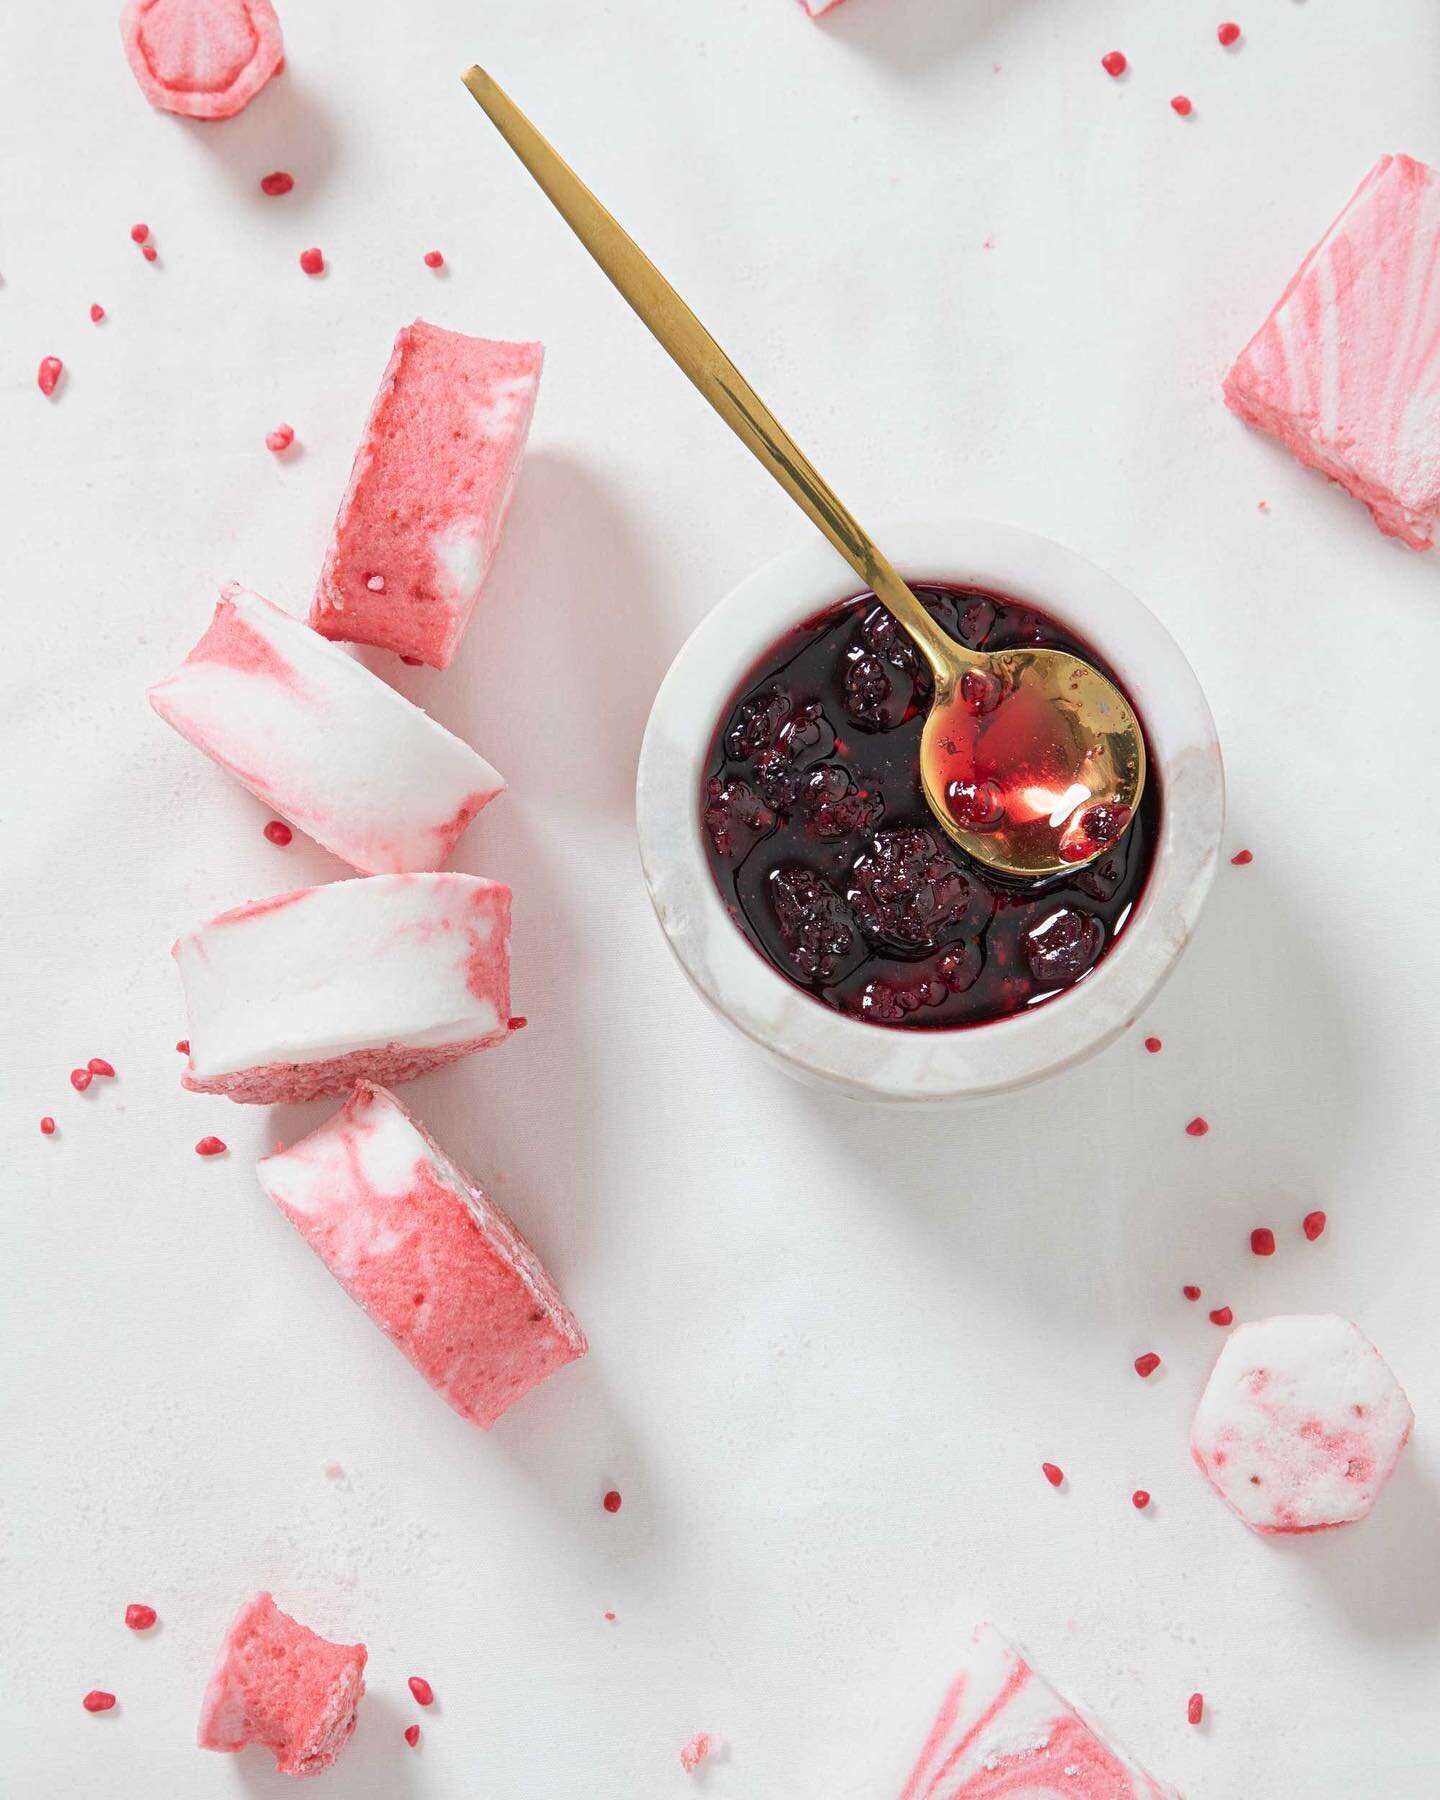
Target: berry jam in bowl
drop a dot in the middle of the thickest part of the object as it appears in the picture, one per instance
(810, 895)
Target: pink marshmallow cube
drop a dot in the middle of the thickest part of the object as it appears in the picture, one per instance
(1300, 1425)
(423, 1249)
(379, 978)
(1346, 370)
(431, 485)
(992, 1726)
(278, 1684)
(312, 733)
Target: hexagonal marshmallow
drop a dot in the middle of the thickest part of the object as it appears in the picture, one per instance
(1301, 1424)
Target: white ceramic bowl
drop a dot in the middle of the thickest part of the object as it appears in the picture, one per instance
(872, 1062)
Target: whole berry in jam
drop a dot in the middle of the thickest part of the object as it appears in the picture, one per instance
(815, 925)
(1061, 948)
(756, 725)
(906, 889)
(835, 804)
(736, 818)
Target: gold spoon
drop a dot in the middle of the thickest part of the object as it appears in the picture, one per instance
(1031, 760)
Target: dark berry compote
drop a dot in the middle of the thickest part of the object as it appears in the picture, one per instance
(830, 861)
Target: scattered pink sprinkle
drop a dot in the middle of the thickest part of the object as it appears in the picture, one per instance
(97, 1700)
(1197, 1127)
(210, 1146)
(1241, 857)
(412, 1735)
(1190, 1291)
(611, 1502)
(47, 1126)
(1262, 506)
(1313, 1225)
(1139, 1499)
(51, 369)
(183, 1046)
(312, 262)
(1195, 1708)
(281, 438)
(1262, 1241)
(276, 184)
(332, 1469)
(434, 260)
(80, 1079)
(1147, 1364)
(99, 1066)
(279, 832)
(1113, 62)
(140, 1618)
(696, 1751)
(1154, 1045)
(1222, 1315)
(1053, 1473)
(609, 1618)
(518, 1023)
(97, 311)
(149, 252)
(376, 584)
(139, 233)
(1228, 34)
(1181, 105)
(422, 1690)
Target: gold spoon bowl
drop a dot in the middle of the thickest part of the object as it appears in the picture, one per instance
(1031, 760)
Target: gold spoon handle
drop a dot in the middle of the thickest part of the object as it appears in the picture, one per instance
(679, 332)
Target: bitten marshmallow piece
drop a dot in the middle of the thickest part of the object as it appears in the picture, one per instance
(312, 733)
(278, 1684)
(424, 1250)
(1346, 370)
(377, 979)
(204, 59)
(432, 483)
(1301, 1423)
(994, 1727)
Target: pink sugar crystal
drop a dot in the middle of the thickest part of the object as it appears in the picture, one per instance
(992, 1726)
(306, 993)
(1346, 370)
(278, 1684)
(1300, 1425)
(429, 1256)
(429, 491)
(695, 1752)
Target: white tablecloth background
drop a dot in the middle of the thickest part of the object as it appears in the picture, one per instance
(830, 1347)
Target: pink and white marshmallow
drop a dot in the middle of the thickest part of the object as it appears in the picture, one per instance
(427, 1253)
(990, 1727)
(279, 1684)
(376, 979)
(429, 493)
(1346, 370)
(1301, 1423)
(312, 733)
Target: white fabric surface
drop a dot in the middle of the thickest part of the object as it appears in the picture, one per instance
(830, 1348)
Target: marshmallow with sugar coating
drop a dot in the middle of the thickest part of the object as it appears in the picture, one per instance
(429, 492)
(312, 733)
(379, 978)
(1346, 370)
(429, 1256)
(1301, 1423)
(991, 1726)
(279, 1684)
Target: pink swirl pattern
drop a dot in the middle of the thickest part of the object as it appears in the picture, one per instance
(998, 1731)
(1346, 370)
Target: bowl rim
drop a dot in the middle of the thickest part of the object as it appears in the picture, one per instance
(868, 1060)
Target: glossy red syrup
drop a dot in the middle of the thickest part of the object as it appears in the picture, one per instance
(831, 863)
